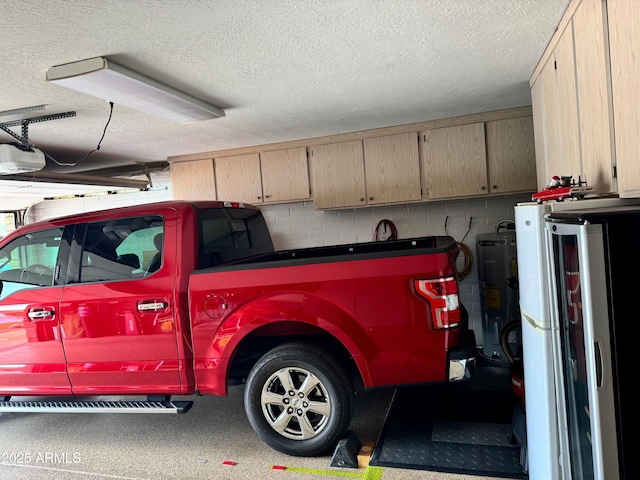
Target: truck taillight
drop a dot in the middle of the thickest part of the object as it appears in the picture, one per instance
(442, 296)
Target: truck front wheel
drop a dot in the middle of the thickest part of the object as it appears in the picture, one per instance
(299, 399)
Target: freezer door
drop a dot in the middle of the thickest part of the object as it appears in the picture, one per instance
(540, 396)
(582, 356)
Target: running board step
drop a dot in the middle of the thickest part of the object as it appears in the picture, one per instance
(96, 407)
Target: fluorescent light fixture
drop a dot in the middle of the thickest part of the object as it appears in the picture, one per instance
(105, 79)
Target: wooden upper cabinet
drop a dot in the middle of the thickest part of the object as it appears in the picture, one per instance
(453, 161)
(511, 159)
(624, 42)
(439, 159)
(592, 77)
(392, 168)
(268, 177)
(194, 180)
(338, 175)
(285, 175)
(238, 178)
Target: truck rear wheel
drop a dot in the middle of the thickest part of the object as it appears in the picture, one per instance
(299, 399)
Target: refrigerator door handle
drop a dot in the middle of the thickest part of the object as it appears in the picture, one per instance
(599, 359)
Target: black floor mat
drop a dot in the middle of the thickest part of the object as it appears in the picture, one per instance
(463, 428)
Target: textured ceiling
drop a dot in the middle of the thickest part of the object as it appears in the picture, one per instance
(281, 69)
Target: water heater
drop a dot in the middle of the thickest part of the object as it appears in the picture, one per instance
(498, 282)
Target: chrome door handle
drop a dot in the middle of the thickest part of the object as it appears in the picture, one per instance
(152, 306)
(40, 314)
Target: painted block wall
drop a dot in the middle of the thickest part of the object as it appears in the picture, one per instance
(298, 225)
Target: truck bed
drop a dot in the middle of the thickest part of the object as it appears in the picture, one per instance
(347, 252)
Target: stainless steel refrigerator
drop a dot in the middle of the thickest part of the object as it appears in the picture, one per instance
(595, 329)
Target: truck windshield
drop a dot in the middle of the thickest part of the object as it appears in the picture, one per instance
(228, 234)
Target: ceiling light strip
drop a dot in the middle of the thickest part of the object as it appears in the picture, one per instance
(112, 82)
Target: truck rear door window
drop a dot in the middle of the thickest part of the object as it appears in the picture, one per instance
(228, 234)
(122, 249)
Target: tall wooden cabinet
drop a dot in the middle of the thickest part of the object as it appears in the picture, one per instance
(585, 98)
(547, 133)
(567, 161)
(592, 81)
(539, 135)
(624, 42)
(555, 100)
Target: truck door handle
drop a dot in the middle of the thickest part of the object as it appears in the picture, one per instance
(39, 314)
(152, 305)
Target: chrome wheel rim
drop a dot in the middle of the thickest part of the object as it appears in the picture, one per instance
(295, 403)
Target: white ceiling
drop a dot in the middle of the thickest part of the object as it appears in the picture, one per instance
(281, 69)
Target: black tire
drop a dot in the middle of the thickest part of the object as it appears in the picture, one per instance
(313, 412)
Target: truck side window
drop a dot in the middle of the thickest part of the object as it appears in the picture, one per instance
(119, 249)
(228, 234)
(29, 260)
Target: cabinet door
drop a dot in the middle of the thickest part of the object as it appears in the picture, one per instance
(193, 180)
(392, 168)
(537, 108)
(624, 39)
(568, 161)
(338, 172)
(238, 178)
(551, 128)
(510, 155)
(592, 74)
(285, 175)
(454, 161)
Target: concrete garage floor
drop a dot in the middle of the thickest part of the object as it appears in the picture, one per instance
(189, 446)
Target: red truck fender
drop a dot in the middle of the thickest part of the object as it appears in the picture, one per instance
(277, 314)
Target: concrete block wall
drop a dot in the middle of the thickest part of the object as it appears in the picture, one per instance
(298, 225)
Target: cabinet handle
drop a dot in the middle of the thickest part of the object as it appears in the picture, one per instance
(267, 196)
(370, 198)
(361, 199)
(483, 187)
(259, 197)
(495, 187)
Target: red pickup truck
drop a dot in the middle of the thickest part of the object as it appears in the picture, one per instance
(187, 298)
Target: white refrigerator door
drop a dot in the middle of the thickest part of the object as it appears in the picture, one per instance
(540, 400)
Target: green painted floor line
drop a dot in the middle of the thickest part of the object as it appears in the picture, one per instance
(372, 473)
